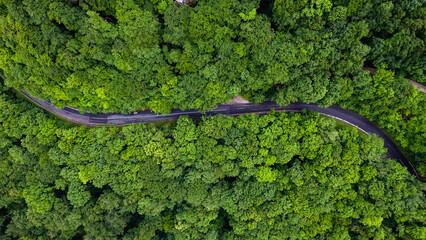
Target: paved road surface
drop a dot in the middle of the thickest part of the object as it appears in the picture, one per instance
(230, 109)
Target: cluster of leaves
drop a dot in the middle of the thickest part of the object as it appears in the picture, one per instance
(397, 35)
(109, 56)
(396, 106)
(274, 176)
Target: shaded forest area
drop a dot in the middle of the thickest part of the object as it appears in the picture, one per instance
(272, 176)
(118, 56)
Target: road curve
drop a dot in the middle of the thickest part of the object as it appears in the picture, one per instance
(341, 114)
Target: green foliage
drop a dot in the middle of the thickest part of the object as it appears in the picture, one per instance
(120, 56)
(161, 5)
(265, 174)
(397, 29)
(251, 15)
(39, 198)
(274, 176)
(396, 106)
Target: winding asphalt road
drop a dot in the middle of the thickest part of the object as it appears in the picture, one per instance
(333, 111)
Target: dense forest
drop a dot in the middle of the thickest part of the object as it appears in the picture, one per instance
(108, 56)
(396, 107)
(118, 56)
(273, 176)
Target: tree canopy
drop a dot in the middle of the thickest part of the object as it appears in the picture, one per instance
(274, 176)
(119, 56)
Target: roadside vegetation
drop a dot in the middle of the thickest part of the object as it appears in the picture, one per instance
(118, 56)
(394, 105)
(274, 176)
(271, 176)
